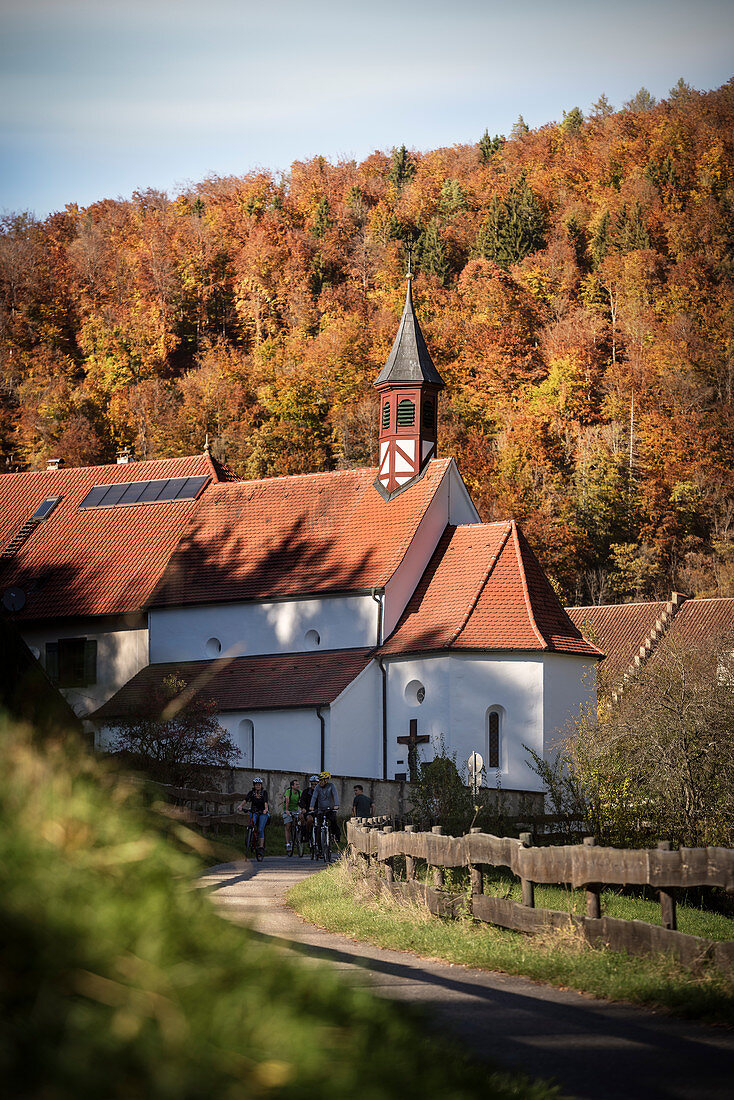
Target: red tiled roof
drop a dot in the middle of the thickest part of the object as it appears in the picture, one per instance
(254, 540)
(100, 560)
(249, 683)
(484, 590)
(701, 621)
(619, 630)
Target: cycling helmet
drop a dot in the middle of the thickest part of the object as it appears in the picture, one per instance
(257, 779)
(325, 775)
(313, 779)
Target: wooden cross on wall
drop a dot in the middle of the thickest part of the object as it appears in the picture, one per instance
(413, 741)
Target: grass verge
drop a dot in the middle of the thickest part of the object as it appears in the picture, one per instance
(341, 900)
(117, 979)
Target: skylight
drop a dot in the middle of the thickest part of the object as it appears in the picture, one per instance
(45, 509)
(144, 492)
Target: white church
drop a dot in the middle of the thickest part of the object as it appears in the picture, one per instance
(339, 620)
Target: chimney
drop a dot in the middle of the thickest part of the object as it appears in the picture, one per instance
(123, 456)
(55, 464)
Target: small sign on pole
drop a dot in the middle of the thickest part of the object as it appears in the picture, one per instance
(475, 765)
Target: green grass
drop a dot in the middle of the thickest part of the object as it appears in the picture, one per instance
(342, 901)
(119, 980)
(614, 903)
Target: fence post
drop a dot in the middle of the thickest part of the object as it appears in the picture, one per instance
(476, 876)
(409, 860)
(667, 897)
(528, 887)
(438, 875)
(389, 872)
(593, 899)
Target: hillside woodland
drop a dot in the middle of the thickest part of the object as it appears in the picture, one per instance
(575, 285)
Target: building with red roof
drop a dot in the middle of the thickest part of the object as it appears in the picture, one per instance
(338, 619)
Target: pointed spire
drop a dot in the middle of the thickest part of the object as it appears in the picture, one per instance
(410, 359)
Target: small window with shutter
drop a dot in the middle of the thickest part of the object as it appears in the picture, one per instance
(406, 413)
(72, 662)
(386, 415)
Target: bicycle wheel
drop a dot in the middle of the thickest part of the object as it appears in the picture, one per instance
(291, 850)
(250, 841)
(325, 843)
(298, 844)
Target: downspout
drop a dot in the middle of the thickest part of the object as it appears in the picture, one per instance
(378, 601)
(323, 738)
(383, 670)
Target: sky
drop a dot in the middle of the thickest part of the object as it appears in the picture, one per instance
(99, 98)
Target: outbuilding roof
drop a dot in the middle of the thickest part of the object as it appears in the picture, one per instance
(484, 590)
(281, 680)
(620, 630)
(90, 561)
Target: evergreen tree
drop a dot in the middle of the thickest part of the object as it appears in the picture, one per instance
(430, 255)
(631, 231)
(601, 243)
(641, 101)
(680, 92)
(322, 219)
(489, 146)
(573, 121)
(602, 108)
(520, 128)
(514, 227)
(452, 198)
(403, 168)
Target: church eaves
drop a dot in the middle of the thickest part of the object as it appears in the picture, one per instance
(410, 359)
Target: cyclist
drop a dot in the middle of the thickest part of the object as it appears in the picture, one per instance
(325, 800)
(304, 806)
(291, 800)
(259, 816)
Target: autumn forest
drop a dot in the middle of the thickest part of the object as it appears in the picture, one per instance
(575, 285)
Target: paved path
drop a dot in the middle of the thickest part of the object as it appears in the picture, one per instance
(592, 1049)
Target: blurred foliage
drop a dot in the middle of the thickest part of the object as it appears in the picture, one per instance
(117, 979)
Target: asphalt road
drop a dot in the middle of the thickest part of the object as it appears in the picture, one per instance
(590, 1048)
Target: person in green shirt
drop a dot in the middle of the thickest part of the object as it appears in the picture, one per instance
(290, 809)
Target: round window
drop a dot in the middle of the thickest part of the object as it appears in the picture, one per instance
(312, 639)
(213, 647)
(415, 693)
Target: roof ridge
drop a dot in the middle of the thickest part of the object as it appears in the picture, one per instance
(483, 585)
(526, 592)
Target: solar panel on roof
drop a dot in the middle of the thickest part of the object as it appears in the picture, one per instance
(144, 492)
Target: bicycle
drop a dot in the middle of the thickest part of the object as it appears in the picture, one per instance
(252, 847)
(324, 837)
(297, 838)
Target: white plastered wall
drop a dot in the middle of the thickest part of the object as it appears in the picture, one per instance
(282, 626)
(459, 690)
(289, 740)
(354, 743)
(122, 650)
(451, 503)
(569, 690)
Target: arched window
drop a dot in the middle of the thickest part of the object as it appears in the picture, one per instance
(386, 415)
(246, 737)
(406, 413)
(493, 739)
(429, 413)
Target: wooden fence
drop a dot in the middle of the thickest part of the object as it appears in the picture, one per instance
(580, 866)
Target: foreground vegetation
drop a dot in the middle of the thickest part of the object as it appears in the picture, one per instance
(119, 980)
(575, 284)
(563, 959)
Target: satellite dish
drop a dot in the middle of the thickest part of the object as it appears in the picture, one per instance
(13, 599)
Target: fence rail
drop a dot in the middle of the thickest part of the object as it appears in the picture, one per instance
(585, 865)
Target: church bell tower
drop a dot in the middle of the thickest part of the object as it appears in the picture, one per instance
(408, 386)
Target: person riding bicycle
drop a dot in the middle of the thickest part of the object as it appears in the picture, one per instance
(304, 805)
(291, 800)
(325, 800)
(259, 816)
